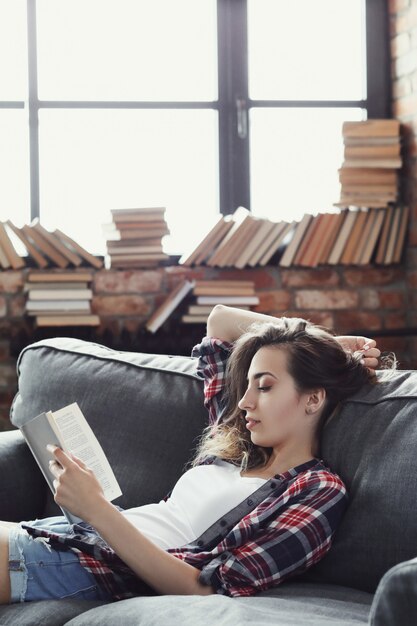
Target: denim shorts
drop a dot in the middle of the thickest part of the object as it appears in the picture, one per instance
(38, 572)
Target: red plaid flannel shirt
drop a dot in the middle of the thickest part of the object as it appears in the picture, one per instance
(284, 535)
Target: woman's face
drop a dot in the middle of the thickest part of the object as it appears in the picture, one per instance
(272, 399)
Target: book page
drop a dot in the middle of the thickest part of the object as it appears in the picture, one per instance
(81, 441)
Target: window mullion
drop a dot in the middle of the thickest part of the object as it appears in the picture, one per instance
(378, 59)
(33, 105)
(233, 105)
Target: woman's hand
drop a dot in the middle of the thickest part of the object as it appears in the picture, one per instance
(76, 487)
(365, 346)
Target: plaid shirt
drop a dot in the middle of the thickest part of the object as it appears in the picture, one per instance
(283, 529)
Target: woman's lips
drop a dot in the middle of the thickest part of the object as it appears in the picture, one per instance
(251, 423)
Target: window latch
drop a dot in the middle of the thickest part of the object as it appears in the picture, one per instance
(242, 118)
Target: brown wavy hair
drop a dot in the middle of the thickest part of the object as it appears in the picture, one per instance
(315, 359)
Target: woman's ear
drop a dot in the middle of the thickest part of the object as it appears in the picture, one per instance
(315, 401)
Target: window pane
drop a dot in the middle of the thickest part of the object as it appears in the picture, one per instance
(295, 155)
(306, 50)
(13, 50)
(92, 161)
(127, 49)
(14, 166)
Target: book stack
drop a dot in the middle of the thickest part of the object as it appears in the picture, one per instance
(368, 175)
(240, 240)
(207, 293)
(43, 247)
(134, 237)
(60, 298)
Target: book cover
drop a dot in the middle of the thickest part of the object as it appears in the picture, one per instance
(272, 243)
(304, 247)
(395, 224)
(291, 250)
(56, 243)
(68, 429)
(250, 300)
(260, 236)
(371, 128)
(161, 314)
(90, 258)
(222, 249)
(60, 294)
(30, 248)
(324, 219)
(342, 237)
(354, 237)
(332, 234)
(365, 236)
(57, 305)
(67, 320)
(382, 244)
(8, 248)
(45, 247)
(405, 212)
(61, 277)
(373, 237)
(249, 244)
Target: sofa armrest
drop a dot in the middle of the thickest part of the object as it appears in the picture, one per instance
(395, 600)
(22, 487)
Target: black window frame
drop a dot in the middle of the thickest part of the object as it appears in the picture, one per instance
(233, 104)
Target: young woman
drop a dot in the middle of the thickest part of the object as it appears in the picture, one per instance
(257, 504)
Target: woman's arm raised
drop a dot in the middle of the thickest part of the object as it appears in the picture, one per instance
(228, 324)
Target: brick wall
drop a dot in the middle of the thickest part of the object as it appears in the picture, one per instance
(366, 301)
(403, 33)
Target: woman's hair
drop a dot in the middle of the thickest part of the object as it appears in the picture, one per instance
(315, 359)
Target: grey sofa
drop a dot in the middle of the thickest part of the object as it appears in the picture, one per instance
(147, 411)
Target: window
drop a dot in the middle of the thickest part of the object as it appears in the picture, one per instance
(199, 106)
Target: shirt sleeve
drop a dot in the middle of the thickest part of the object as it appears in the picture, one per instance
(296, 539)
(212, 355)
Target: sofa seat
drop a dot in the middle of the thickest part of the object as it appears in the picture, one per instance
(290, 604)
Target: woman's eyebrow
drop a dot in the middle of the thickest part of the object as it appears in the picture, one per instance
(260, 374)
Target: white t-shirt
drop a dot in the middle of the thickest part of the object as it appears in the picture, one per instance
(201, 496)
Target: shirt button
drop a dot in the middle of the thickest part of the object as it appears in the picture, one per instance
(277, 476)
(249, 501)
(223, 557)
(272, 485)
(200, 542)
(223, 522)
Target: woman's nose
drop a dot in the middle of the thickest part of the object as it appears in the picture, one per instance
(246, 402)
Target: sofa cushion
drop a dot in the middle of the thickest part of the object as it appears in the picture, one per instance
(372, 443)
(289, 605)
(146, 410)
(44, 613)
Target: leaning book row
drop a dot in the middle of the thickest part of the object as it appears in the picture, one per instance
(42, 247)
(351, 236)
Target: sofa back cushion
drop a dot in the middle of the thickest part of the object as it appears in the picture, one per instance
(371, 442)
(147, 412)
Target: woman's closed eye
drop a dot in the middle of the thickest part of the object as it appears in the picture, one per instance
(264, 388)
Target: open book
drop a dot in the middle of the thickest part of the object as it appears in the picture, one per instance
(69, 430)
